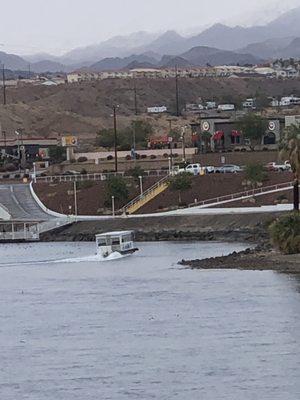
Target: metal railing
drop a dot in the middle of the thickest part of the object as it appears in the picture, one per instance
(241, 195)
(96, 176)
(52, 224)
(146, 193)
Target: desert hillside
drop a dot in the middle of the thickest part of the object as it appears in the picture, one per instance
(84, 109)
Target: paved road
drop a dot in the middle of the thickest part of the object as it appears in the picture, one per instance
(20, 204)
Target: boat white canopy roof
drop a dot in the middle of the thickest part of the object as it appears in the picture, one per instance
(116, 233)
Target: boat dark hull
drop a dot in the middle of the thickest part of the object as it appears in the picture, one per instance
(126, 252)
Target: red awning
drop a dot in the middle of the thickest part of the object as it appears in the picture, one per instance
(218, 135)
(159, 140)
(235, 133)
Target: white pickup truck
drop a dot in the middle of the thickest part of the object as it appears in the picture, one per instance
(273, 166)
(196, 169)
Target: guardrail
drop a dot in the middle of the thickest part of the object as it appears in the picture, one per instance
(240, 195)
(52, 224)
(96, 176)
(145, 193)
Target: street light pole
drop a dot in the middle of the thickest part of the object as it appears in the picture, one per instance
(183, 142)
(115, 137)
(18, 144)
(113, 205)
(75, 199)
(141, 185)
(177, 92)
(34, 172)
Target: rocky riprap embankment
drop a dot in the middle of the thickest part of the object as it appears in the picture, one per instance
(262, 258)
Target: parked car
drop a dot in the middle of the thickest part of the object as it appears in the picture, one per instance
(273, 166)
(228, 169)
(209, 169)
(193, 169)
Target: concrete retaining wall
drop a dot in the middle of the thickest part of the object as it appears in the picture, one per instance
(4, 214)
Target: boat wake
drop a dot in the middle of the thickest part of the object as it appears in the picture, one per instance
(93, 258)
(75, 260)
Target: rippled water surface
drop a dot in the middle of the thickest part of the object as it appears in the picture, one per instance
(143, 328)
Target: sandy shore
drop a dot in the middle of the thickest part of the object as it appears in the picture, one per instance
(258, 259)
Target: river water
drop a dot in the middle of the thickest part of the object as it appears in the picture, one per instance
(144, 328)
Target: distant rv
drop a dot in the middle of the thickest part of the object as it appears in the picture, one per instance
(157, 110)
(226, 107)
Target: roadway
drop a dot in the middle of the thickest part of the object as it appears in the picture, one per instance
(17, 199)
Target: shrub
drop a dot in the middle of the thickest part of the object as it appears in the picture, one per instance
(153, 157)
(285, 233)
(82, 159)
(83, 171)
(143, 156)
(128, 157)
(109, 158)
(136, 172)
(9, 167)
(181, 183)
(85, 184)
(166, 155)
(116, 186)
(255, 174)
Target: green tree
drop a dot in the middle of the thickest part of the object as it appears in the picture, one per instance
(180, 183)
(285, 233)
(138, 131)
(136, 172)
(116, 187)
(290, 150)
(57, 154)
(255, 174)
(253, 127)
(105, 138)
(261, 100)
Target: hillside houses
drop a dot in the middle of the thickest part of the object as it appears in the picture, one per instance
(276, 70)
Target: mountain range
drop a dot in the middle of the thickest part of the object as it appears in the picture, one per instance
(218, 44)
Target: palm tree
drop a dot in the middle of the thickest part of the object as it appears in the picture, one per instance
(290, 150)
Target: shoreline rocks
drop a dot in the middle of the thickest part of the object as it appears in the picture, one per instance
(262, 258)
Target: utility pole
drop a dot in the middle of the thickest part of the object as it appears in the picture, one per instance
(29, 71)
(136, 111)
(177, 92)
(4, 86)
(115, 137)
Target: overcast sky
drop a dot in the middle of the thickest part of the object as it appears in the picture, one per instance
(31, 26)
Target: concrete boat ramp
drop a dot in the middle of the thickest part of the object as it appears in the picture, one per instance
(23, 217)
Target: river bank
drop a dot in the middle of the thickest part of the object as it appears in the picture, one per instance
(262, 258)
(229, 228)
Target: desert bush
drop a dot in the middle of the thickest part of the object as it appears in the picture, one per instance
(116, 186)
(82, 159)
(81, 185)
(285, 233)
(255, 174)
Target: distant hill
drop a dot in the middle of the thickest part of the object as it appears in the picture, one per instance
(279, 38)
(267, 49)
(48, 66)
(232, 38)
(13, 62)
(116, 63)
